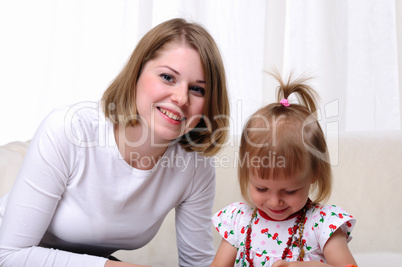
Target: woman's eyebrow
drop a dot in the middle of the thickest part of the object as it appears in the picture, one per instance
(172, 69)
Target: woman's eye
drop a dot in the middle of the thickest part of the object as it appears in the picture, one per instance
(197, 90)
(167, 77)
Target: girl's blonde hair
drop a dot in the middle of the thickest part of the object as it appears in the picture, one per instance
(118, 101)
(288, 140)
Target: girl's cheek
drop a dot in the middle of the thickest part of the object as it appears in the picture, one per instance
(256, 197)
(252, 195)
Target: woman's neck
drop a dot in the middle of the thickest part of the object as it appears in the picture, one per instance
(138, 151)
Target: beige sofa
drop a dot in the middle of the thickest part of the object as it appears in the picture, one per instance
(367, 183)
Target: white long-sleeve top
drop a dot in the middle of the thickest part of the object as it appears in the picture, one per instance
(75, 196)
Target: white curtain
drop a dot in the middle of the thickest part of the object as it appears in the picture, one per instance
(351, 49)
(57, 52)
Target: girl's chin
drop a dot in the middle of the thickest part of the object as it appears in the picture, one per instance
(279, 217)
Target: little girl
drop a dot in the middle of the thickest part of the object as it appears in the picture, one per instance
(283, 159)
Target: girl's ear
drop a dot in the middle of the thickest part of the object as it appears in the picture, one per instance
(313, 178)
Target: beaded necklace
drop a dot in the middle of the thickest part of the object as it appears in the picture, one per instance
(299, 225)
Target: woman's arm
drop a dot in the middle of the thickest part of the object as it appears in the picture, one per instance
(336, 253)
(193, 217)
(39, 187)
(225, 256)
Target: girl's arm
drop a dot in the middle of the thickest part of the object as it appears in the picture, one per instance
(225, 256)
(336, 253)
(110, 263)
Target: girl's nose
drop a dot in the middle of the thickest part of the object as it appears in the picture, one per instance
(275, 201)
(180, 95)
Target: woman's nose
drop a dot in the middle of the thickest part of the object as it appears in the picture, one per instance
(180, 95)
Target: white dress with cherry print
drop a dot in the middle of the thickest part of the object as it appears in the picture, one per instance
(269, 237)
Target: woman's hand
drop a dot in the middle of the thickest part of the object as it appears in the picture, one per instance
(110, 263)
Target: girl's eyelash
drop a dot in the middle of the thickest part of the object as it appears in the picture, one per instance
(261, 189)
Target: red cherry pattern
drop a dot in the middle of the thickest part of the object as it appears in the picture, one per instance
(324, 215)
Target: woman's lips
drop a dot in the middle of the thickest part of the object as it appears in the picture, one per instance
(172, 115)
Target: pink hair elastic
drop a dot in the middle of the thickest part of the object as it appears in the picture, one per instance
(285, 102)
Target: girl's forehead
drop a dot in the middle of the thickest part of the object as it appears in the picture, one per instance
(278, 178)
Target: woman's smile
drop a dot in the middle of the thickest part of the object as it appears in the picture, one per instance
(174, 116)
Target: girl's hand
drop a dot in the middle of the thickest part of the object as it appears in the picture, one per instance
(281, 263)
(110, 263)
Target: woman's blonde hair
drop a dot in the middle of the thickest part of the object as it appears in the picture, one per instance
(119, 103)
(288, 140)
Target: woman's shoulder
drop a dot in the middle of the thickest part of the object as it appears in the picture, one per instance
(68, 115)
(76, 109)
(83, 123)
(89, 112)
(78, 125)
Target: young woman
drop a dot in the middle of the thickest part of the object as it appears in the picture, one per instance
(99, 177)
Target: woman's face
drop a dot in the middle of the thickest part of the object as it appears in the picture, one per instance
(170, 93)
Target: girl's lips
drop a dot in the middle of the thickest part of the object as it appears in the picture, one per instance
(278, 211)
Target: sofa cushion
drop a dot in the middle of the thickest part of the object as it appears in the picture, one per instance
(11, 156)
(367, 183)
